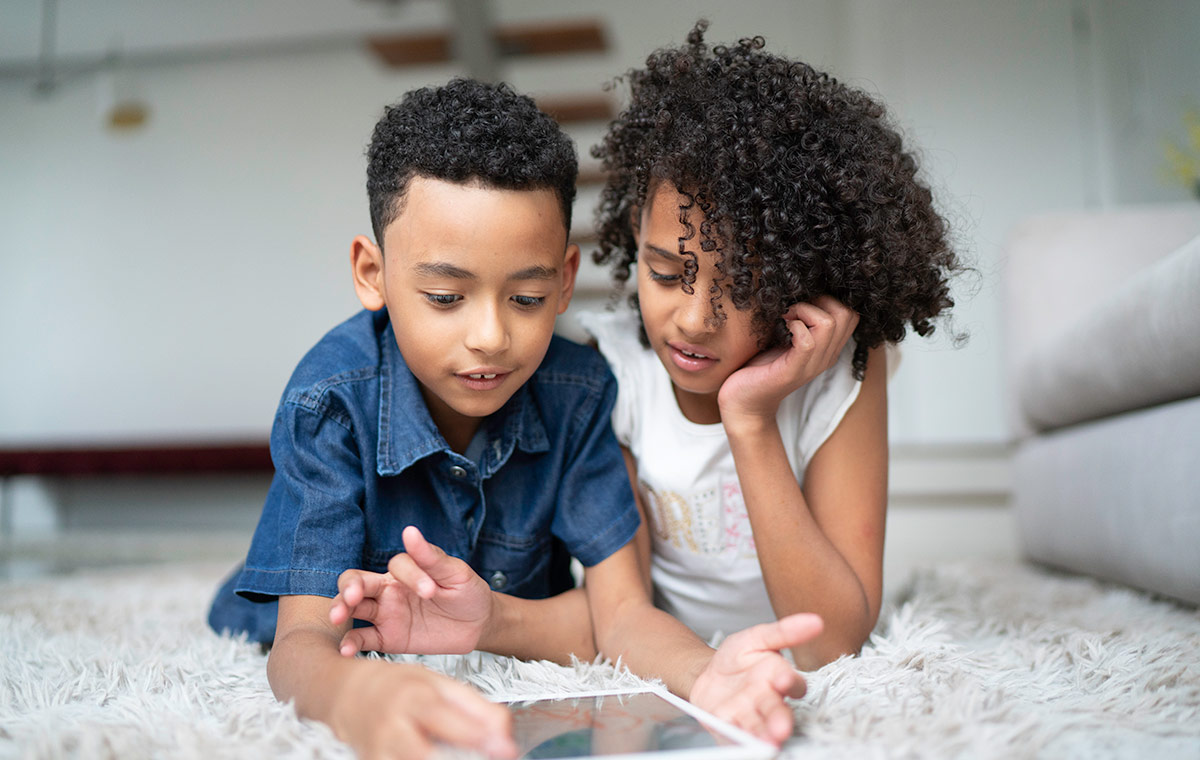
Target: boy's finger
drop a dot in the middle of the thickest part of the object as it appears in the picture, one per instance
(787, 632)
(496, 718)
(404, 569)
(429, 557)
(361, 640)
(354, 585)
(410, 740)
(367, 609)
(339, 611)
(448, 722)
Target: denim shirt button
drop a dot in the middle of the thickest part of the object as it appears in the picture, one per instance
(458, 472)
(498, 581)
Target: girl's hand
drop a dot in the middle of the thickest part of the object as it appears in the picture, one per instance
(747, 679)
(393, 710)
(819, 331)
(427, 603)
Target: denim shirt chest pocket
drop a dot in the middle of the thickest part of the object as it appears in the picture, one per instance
(497, 520)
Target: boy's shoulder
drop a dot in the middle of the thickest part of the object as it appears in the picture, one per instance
(347, 353)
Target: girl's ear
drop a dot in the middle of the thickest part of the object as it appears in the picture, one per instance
(366, 261)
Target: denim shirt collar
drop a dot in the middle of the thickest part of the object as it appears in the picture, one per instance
(407, 433)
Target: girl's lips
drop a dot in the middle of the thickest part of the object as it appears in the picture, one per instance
(482, 380)
(690, 358)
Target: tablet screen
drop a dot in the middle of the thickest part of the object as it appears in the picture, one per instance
(630, 723)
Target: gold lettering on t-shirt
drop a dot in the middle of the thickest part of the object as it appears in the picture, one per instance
(671, 518)
(711, 522)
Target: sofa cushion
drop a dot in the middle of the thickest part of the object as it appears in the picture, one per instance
(1118, 498)
(1058, 266)
(1137, 347)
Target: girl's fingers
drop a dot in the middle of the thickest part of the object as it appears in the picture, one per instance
(784, 633)
(779, 723)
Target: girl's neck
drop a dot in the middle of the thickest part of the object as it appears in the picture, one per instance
(700, 408)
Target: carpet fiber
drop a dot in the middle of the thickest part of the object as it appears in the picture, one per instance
(973, 660)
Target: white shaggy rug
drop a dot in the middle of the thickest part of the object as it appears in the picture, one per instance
(973, 661)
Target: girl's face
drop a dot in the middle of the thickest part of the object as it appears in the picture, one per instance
(699, 353)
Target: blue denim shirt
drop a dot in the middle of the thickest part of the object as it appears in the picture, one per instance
(357, 458)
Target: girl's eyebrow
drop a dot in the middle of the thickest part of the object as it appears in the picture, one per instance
(662, 253)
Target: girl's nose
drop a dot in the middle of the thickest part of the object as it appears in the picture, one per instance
(693, 317)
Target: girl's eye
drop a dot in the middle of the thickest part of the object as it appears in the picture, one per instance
(657, 277)
(442, 299)
(529, 302)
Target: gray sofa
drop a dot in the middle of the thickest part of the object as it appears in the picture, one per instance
(1102, 322)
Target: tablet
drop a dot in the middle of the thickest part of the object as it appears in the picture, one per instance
(646, 723)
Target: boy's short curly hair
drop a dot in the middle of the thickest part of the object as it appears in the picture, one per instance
(467, 130)
(804, 186)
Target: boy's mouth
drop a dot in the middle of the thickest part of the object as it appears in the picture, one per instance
(483, 378)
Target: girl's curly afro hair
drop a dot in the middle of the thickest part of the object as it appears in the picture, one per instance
(804, 187)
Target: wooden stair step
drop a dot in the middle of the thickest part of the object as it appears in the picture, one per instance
(511, 41)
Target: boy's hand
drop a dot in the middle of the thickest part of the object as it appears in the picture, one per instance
(819, 330)
(397, 710)
(747, 679)
(427, 603)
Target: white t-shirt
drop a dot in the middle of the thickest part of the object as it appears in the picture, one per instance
(704, 565)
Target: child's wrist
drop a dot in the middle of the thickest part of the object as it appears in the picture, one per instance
(748, 424)
(494, 625)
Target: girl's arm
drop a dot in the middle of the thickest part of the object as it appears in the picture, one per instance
(744, 681)
(381, 708)
(821, 548)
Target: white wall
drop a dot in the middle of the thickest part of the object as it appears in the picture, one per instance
(1148, 71)
(162, 284)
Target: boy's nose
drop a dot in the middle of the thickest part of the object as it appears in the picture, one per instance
(486, 332)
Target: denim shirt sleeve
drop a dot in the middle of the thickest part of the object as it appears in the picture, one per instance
(596, 512)
(312, 527)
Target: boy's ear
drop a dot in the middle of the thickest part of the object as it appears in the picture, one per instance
(366, 261)
(570, 270)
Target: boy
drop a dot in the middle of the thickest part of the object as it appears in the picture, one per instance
(447, 404)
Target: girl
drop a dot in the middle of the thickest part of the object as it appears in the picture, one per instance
(778, 237)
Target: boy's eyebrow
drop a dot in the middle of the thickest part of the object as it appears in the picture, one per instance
(443, 269)
(536, 272)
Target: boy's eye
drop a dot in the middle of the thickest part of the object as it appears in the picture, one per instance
(529, 302)
(443, 299)
(659, 277)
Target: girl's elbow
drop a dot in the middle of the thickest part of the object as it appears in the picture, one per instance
(826, 648)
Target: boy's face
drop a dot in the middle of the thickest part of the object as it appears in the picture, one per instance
(473, 278)
(698, 353)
